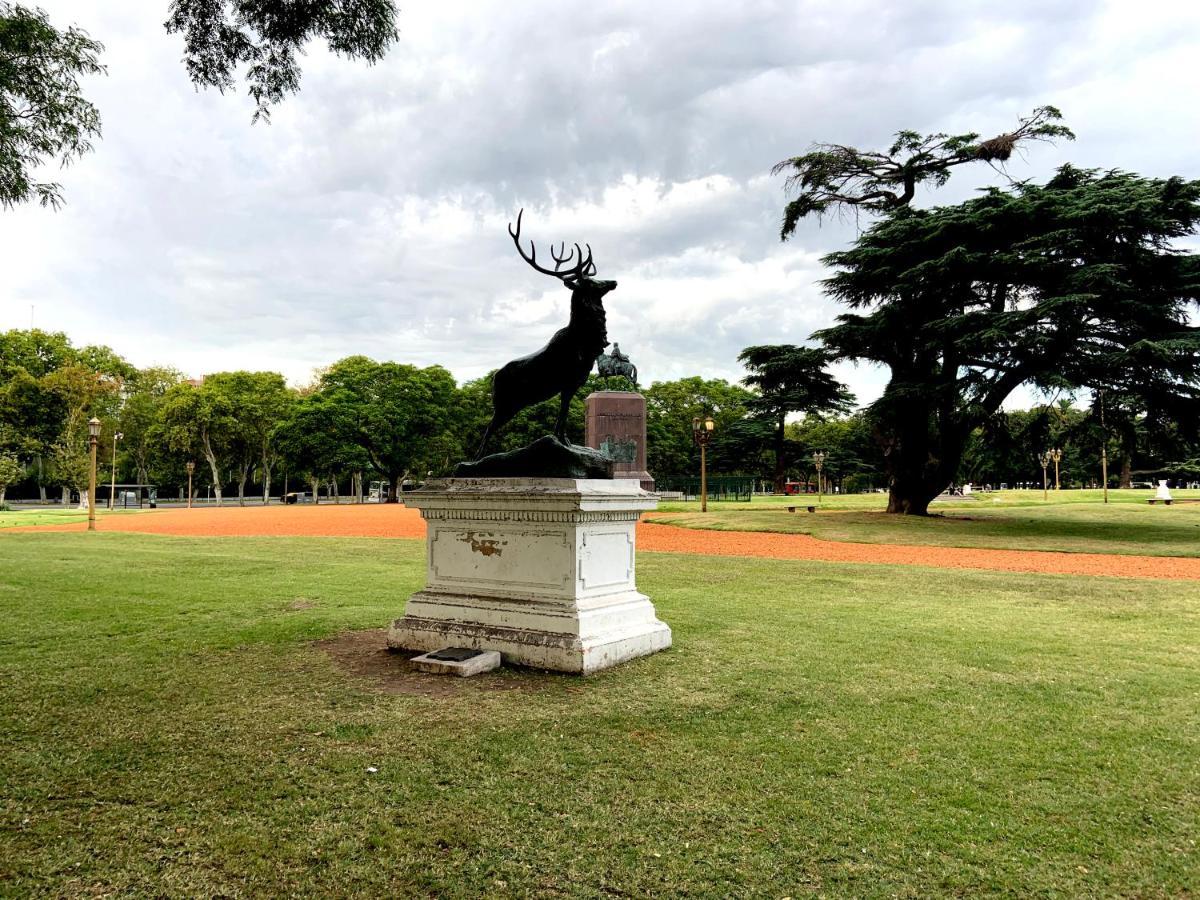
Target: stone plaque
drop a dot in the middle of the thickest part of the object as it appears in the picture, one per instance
(455, 654)
(616, 426)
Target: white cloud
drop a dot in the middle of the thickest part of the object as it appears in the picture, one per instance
(371, 216)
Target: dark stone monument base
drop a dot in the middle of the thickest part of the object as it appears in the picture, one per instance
(616, 426)
(547, 457)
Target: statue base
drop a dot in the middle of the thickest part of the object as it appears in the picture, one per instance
(615, 424)
(547, 457)
(540, 569)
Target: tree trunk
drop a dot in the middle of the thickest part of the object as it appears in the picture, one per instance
(1126, 471)
(267, 465)
(333, 489)
(3, 491)
(921, 465)
(211, 459)
(908, 505)
(316, 486)
(242, 476)
(66, 496)
(41, 483)
(393, 489)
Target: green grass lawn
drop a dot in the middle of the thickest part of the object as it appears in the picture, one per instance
(167, 728)
(13, 518)
(877, 501)
(1070, 522)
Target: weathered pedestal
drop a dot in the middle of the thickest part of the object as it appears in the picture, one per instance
(541, 569)
(615, 424)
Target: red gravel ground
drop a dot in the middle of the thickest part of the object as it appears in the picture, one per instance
(399, 522)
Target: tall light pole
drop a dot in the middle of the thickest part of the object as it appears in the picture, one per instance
(1044, 459)
(112, 489)
(702, 432)
(93, 440)
(819, 462)
(191, 467)
(1056, 455)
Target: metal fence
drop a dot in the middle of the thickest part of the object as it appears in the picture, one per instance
(735, 488)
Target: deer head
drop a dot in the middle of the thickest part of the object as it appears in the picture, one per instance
(572, 268)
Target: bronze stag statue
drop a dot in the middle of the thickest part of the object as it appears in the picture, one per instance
(563, 365)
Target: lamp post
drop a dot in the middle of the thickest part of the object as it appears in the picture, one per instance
(819, 461)
(191, 467)
(93, 440)
(1056, 455)
(702, 431)
(1045, 461)
(112, 488)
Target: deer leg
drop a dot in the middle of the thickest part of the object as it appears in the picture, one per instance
(564, 404)
(487, 433)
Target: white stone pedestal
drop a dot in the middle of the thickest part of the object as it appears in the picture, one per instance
(541, 569)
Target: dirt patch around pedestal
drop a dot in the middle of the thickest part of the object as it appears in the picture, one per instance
(365, 655)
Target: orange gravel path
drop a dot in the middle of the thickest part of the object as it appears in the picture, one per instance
(399, 522)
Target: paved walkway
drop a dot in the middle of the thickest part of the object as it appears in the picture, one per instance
(374, 520)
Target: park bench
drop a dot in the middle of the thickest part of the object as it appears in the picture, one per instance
(1154, 500)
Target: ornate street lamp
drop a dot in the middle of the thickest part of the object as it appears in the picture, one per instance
(93, 440)
(112, 489)
(702, 432)
(1045, 461)
(818, 459)
(191, 467)
(1056, 455)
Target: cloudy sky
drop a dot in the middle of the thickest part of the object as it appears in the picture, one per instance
(369, 216)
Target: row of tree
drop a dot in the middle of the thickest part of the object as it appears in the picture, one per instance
(361, 419)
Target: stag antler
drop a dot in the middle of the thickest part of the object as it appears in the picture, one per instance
(584, 267)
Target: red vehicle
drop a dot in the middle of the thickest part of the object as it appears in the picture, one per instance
(795, 487)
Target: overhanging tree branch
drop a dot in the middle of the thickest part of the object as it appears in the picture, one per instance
(834, 176)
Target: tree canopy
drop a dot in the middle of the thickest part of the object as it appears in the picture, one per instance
(200, 419)
(670, 408)
(791, 379)
(834, 176)
(1056, 286)
(267, 37)
(44, 116)
(404, 418)
(48, 391)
